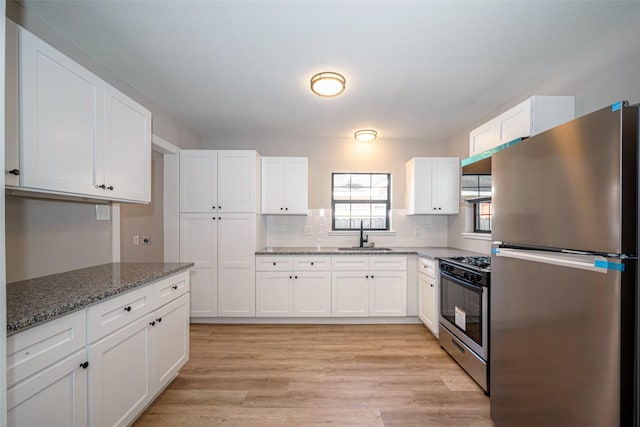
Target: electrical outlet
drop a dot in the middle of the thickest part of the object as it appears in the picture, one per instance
(145, 240)
(136, 240)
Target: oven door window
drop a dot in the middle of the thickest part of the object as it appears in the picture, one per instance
(461, 305)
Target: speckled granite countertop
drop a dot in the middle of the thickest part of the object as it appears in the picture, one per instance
(36, 301)
(429, 252)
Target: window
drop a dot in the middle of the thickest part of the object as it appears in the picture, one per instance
(360, 198)
(482, 217)
(476, 189)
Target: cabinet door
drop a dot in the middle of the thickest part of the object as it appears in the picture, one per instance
(121, 381)
(198, 181)
(237, 181)
(350, 294)
(424, 176)
(428, 302)
(170, 340)
(61, 120)
(273, 183)
(198, 244)
(236, 265)
(127, 148)
(483, 138)
(11, 121)
(388, 294)
(312, 294)
(446, 186)
(514, 123)
(274, 294)
(56, 396)
(296, 185)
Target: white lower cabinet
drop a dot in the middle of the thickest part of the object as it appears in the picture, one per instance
(274, 294)
(312, 294)
(293, 286)
(428, 297)
(56, 396)
(100, 366)
(120, 377)
(349, 294)
(388, 293)
(170, 340)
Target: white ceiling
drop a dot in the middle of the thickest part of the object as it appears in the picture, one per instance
(415, 70)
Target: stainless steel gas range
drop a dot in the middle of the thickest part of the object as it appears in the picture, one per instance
(464, 314)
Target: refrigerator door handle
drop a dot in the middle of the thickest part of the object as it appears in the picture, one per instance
(595, 263)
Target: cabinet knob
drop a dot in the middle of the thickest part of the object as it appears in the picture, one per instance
(286, 209)
(84, 365)
(15, 172)
(219, 217)
(311, 263)
(435, 209)
(102, 186)
(290, 277)
(219, 207)
(274, 263)
(366, 277)
(295, 277)
(372, 276)
(174, 287)
(439, 209)
(159, 319)
(432, 286)
(110, 187)
(213, 207)
(153, 323)
(214, 218)
(127, 308)
(281, 208)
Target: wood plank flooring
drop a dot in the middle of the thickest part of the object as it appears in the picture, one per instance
(310, 375)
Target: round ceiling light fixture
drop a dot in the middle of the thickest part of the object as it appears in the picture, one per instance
(366, 135)
(327, 84)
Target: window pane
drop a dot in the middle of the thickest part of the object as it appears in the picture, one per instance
(351, 197)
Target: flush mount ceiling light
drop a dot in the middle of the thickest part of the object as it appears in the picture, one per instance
(366, 135)
(327, 84)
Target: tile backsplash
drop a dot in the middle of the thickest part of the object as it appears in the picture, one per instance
(314, 230)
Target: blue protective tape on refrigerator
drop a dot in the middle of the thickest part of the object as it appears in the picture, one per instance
(616, 106)
(616, 266)
(495, 250)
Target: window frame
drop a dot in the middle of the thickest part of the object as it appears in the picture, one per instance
(387, 202)
(477, 216)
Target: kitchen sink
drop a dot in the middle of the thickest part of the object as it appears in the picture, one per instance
(358, 248)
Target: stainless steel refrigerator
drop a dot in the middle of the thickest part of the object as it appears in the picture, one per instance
(563, 300)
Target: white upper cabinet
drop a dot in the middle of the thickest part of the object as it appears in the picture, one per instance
(198, 181)
(530, 117)
(218, 181)
(433, 185)
(237, 179)
(127, 171)
(284, 185)
(61, 112)
(69, 131)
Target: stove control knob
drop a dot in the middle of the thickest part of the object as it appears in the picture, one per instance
(476, 278)
(466, 276)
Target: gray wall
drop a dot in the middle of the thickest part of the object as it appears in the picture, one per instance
(46, 237)
(343, 155)
(599, 76)
(50, 236)
(144, 220)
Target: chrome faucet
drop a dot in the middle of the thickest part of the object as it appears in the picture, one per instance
(363, 239)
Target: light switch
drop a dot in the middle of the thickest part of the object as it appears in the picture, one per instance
(103, 212)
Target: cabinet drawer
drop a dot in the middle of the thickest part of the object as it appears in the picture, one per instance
(111, 315)
(312, 263)
(170, 288)
(388, 262)
(427, 267)
(349, 263)
(274, 263)
(36, 348)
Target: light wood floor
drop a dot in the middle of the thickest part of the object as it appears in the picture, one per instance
(306, 375)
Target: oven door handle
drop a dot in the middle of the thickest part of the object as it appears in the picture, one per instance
(458, 281)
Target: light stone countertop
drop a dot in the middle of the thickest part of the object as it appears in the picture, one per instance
(425, 252)
(36, 301)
